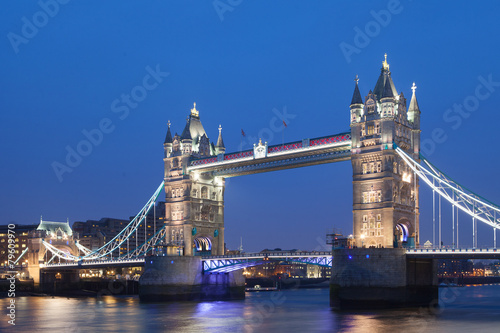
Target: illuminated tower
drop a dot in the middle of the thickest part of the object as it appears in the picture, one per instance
(385, 190)
(194, 203)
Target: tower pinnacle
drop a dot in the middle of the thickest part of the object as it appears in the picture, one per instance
(194, 112)
(413, 109)
(168, 137)
(220, 142)
(356, 96)
(385, 65)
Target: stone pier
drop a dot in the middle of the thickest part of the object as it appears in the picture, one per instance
(381, 278)
(174, 278)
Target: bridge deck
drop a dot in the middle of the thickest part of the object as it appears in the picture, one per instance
(219, 263)
(448, 253)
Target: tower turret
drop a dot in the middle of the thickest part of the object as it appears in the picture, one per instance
(414, 110)
(219, 148)
(186, 139)
(387, 100)
(356, 103)
(414, 119)
(167, 144)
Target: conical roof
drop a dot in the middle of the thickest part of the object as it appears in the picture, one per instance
(383, 80)
(220, 142)
(387, 90)
(356, 96)
(168, 138)
(186, 134)
(413, 103)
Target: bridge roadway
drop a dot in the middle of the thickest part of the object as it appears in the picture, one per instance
(228, 263)
(210, 263)
(449, 253)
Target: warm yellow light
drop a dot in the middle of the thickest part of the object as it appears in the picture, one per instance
(194, 112)
(363, 236)
(407, 177)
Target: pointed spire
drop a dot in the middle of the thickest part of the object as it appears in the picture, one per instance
(186, 134)
(168, 138)
(356, 96)
(220, 142)
(413, 103)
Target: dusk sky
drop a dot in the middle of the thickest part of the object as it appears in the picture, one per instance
(247, 65)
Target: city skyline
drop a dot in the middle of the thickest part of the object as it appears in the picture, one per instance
(72, 77)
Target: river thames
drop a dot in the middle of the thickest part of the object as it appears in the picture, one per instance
(462, 309)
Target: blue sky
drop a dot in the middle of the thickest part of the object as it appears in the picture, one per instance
(244, 63)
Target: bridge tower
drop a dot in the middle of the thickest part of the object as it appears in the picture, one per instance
(385, 191)
(194, 203)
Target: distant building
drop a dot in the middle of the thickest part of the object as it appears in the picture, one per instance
(21, 241)
(286, 269)
(455, 268)
(94, 234)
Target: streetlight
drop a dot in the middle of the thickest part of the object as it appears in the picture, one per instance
(363, 240)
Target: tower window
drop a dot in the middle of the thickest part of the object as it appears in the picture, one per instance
(370, 130)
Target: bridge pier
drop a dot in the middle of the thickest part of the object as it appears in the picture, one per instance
(60, 281)
(381, 278)
(174, 278)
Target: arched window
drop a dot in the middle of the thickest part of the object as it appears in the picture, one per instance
(204, 192)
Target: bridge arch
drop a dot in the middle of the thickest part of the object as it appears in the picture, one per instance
(202, 245)
(404, 231)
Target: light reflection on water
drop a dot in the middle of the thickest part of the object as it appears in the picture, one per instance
(467, 309)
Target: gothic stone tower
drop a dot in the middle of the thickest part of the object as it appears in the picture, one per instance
(385, 190)
(194, 202)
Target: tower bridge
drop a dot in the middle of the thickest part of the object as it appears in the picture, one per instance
(384, 149)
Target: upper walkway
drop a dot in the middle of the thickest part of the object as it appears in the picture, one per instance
(326, 149)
